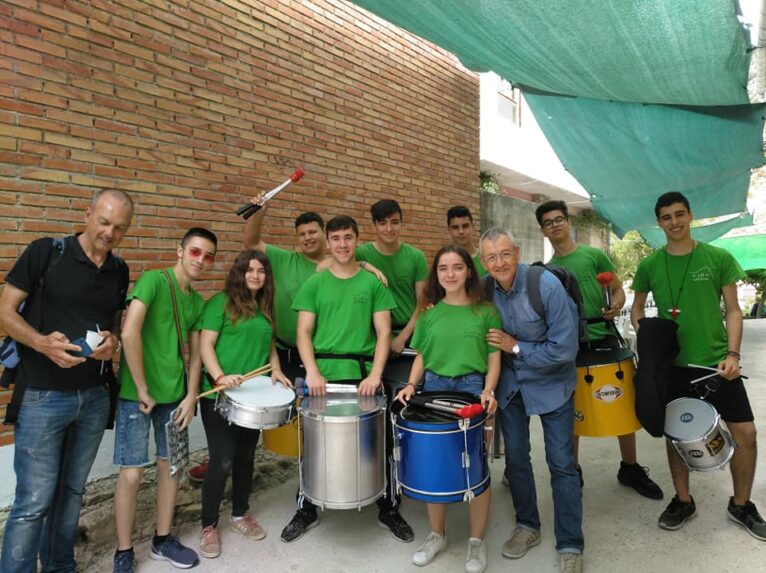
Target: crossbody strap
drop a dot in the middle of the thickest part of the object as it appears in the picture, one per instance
(178, 326)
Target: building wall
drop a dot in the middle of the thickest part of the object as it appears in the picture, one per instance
(193, 105)
(519, 218)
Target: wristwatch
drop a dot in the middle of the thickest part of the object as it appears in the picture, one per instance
(516, 349)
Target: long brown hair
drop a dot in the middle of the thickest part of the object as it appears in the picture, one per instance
(434, 292)
(240, 300)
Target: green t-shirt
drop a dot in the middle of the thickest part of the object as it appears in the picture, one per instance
(290, 269)
(586, 262)
(343, 309)
(242, 346)
(479, 267)
(701, 332)
(402, 270)
(163, 366)
(453, 339)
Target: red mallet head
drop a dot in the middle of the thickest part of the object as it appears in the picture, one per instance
(469, 411)
(297, 174)
(604, 278)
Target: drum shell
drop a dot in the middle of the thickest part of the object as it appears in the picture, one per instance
(715, 446)
(429, 456)
(342, 457)
(283, 441)
(251, 416)
(607, 405)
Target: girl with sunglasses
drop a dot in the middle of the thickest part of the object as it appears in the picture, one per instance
(237, 337)
(450, 337)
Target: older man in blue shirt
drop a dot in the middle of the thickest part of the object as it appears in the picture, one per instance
(538, 378)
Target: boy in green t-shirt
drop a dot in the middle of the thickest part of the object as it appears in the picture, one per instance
(152, 385)
(586, 262)
(343, 312)
(463, 234)
(688, 279)
(406, 269)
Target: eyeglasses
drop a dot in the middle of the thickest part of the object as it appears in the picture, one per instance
(550, 223)
(196, 252)
(505, 256)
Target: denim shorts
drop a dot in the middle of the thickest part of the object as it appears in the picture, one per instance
(131, 433)
(469, 383)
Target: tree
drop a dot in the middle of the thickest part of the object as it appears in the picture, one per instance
(757, 278)
(627, 252)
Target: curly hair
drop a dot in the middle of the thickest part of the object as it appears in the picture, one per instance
(240, 300)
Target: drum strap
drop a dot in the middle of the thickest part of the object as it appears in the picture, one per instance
(359, 358)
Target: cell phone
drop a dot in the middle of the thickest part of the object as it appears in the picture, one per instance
(82, 343)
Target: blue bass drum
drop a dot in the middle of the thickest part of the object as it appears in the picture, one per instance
(439, 458)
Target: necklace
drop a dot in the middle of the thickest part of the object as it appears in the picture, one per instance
(674, 301)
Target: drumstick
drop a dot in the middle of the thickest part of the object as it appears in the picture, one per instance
(256, 372)
(463, 412)
(249, 209)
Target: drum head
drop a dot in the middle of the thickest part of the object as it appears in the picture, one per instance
(420, 415)
(689, 419)
(347, 404)
(607, 356)
(260, 392)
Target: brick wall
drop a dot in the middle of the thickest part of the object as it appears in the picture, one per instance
(191, 105)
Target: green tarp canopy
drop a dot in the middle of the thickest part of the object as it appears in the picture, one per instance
(636, 97)
(750, 251)
(655, 236)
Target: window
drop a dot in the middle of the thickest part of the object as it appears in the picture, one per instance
(508, 102)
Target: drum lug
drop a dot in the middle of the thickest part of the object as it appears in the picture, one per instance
(396, 452)
(466, 460)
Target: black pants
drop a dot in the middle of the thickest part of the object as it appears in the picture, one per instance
(231, 450)
(291, 363)
(391, 499)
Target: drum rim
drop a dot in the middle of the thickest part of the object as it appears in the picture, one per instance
(224, 397)
(303, 408)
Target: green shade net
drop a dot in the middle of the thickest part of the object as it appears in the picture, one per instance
(661, 51)
(749, 251)
(655, 236)
(689, 58)
(627, 154)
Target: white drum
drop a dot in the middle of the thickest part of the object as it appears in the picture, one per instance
(257, 404)
(698, 434)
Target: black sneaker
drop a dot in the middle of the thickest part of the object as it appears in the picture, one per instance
(637, 477)
(579, 474)
(395, 523)
(748, 517)
(124, 561)
(302, 521)
(677, 513)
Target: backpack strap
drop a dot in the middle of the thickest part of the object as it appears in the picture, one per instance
(533, 289)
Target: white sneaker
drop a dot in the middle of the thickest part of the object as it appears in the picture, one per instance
(476, 558)
(429, 549)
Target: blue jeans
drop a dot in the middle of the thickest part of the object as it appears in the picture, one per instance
(131, 433)
(565, 483)
(468, 383)
(57, 437)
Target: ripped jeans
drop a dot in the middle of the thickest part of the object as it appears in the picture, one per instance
(56, 440)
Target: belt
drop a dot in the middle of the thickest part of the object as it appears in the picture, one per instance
(360, 359)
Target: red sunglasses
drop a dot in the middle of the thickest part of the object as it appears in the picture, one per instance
(196, 252)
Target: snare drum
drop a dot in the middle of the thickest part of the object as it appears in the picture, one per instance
(439, 458)
(342, 458)
(698, 434)
(605, 396)
(256, 403)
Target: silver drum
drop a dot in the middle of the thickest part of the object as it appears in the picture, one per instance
(257, 404)
(698, 434)
(342, 458)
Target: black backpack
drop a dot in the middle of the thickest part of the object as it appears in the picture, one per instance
(568, 281)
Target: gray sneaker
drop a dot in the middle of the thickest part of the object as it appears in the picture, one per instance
(429, 549)
(570, 562)
(476, 557)
(521, 541)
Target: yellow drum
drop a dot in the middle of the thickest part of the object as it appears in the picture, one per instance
(605, 397)
(283, 440)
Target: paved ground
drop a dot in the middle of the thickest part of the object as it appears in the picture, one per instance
(621, 530)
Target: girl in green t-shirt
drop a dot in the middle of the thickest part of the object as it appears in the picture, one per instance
(450, 337)
(237, 337)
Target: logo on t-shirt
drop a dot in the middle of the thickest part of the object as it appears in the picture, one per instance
(361, 299)
(703, 274)
(471, 333)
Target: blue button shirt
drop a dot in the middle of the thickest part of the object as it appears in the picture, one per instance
(544, 371)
